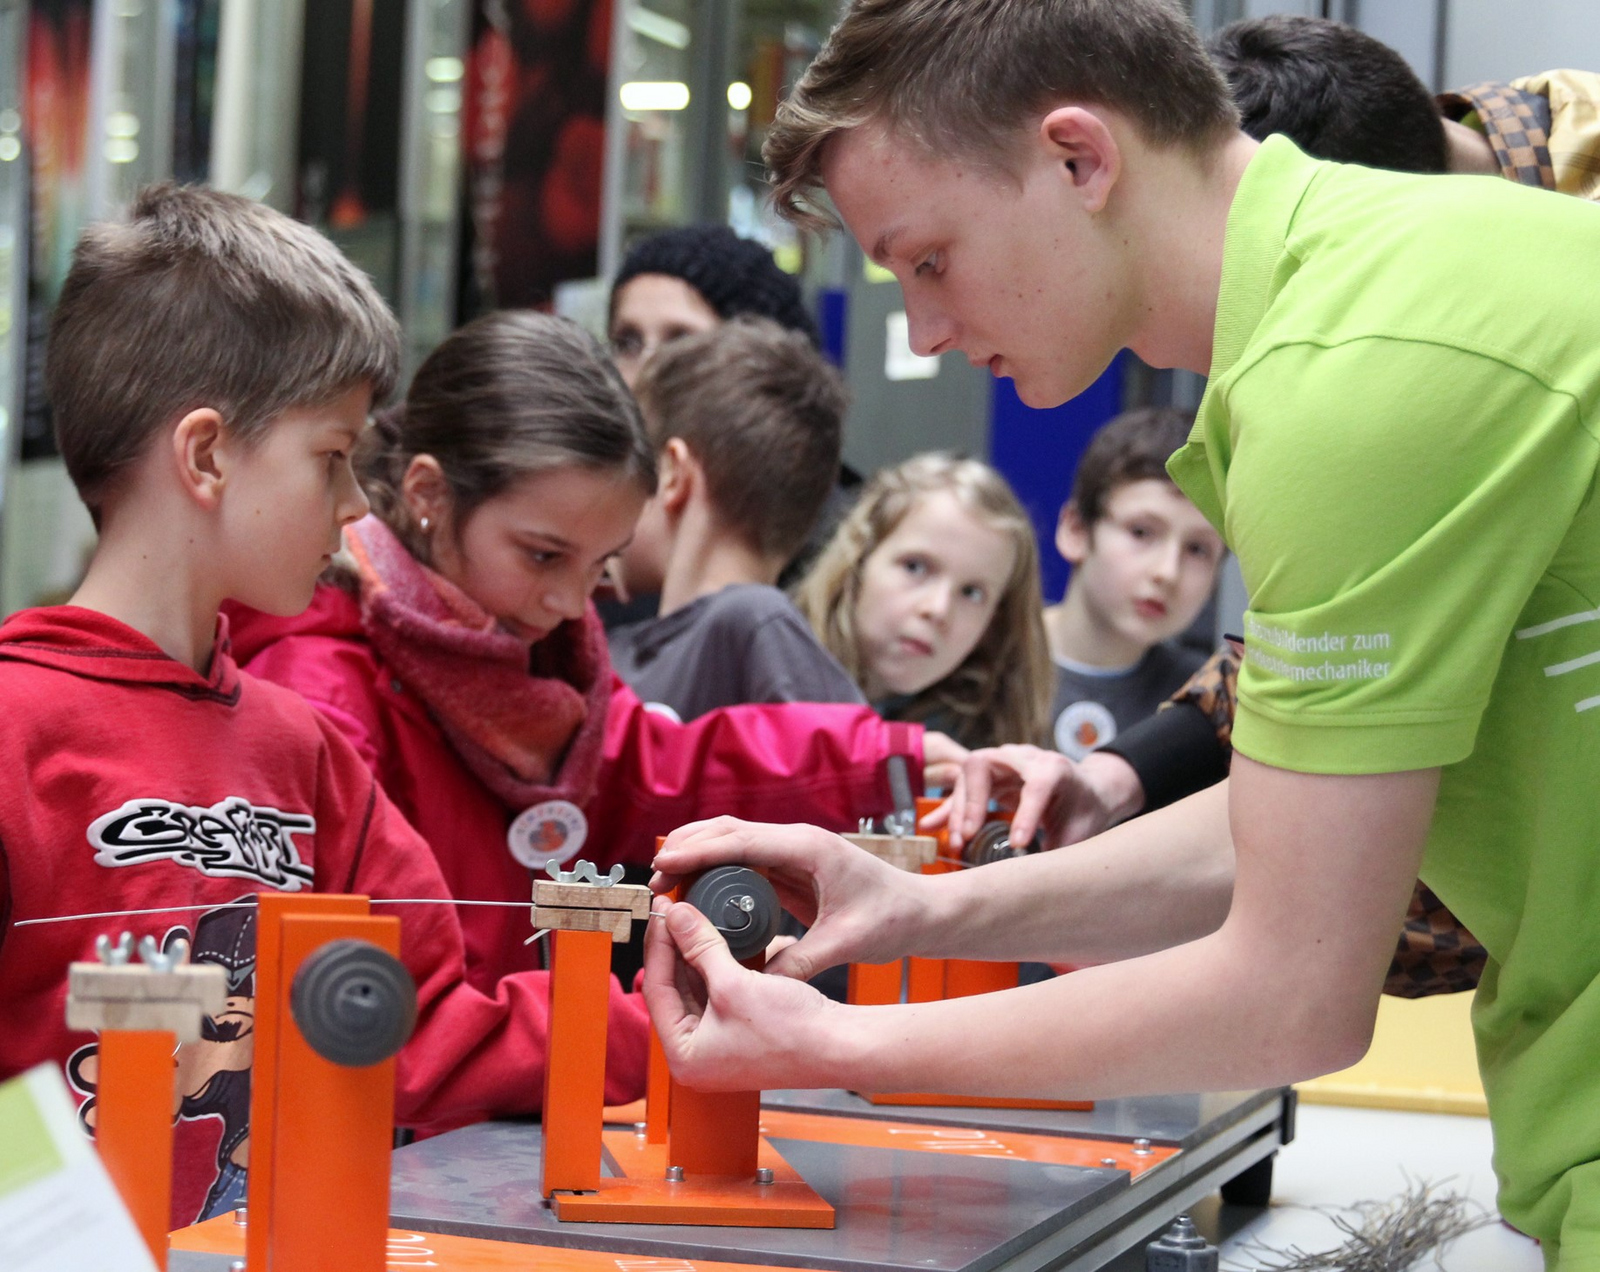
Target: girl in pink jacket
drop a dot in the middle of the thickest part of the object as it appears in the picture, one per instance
(454, 642)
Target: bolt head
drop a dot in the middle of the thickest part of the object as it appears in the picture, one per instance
(241, 1216)
(1108, 1161)
(746, 902)
(764, 1175)
(674, 1174)
(1141, 1147)
(639, 1128)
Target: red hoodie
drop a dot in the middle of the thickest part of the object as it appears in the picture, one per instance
(820, 763)
(138, 783)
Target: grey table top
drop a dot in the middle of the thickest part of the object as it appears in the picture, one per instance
(896, 1209)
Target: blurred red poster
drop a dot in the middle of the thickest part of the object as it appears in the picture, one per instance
(535, 128)
(56, 131)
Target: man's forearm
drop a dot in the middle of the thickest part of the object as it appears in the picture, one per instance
(1285, 988)
(1159, 881)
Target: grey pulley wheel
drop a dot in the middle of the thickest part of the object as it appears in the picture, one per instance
(740, 904)
(355, 1003)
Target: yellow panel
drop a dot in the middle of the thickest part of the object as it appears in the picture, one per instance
(1422, 1058)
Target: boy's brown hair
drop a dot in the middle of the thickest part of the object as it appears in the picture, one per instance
(959, 77)
(203, 299)
(1135, 446)
(763, 413)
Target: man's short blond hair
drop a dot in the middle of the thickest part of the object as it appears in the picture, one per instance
(203, 299)
(958, 78)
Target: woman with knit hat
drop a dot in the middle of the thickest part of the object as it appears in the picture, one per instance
(688, 280)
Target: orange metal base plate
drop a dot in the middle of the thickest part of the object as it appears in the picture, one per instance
(461, 1254)
(644, 1194)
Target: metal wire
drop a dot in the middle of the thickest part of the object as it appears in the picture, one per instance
(242, 905)
(1384, 1236)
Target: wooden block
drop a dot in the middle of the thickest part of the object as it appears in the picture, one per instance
(203, 983)
(135, 996)
(905, 852)
(102, 1014)
(617, 922)
(630, 898)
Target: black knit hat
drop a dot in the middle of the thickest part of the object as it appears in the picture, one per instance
(735, 275)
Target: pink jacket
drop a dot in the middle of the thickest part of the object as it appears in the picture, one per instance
(820, 763)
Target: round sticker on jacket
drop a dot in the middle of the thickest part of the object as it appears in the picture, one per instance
(554, 829)
(1082, 727)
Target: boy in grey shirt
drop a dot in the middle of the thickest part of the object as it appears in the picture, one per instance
(1144, 560)
(747, 423)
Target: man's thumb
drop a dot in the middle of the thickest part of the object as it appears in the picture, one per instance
(701, 945)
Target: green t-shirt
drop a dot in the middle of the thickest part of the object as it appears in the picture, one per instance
(1399, 441)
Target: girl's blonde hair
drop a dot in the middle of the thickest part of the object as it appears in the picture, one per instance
(1001, 692)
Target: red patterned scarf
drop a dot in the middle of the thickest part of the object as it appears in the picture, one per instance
(527, 720)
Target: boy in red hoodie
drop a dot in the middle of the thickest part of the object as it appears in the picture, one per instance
(211, 365)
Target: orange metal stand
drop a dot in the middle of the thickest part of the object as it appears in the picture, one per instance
(575, 1070)
(133, 1126)
(658, 1092)
(722, 1172)
(321, 1133)
(930, 980)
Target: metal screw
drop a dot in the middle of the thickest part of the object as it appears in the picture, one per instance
(238, 1265)
(1141, 1148)
(674, 1174)
(114, 955)
(764, 1175)
(1108, 1161)
(639, 1128)
(746, 902)
(159, 960)
(239, 1217)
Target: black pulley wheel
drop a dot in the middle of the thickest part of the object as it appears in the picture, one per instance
(991, 843)
(740, 904)
(355, 1003)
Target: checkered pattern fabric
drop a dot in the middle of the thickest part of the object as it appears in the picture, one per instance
(1436, 954)
(1517, 124)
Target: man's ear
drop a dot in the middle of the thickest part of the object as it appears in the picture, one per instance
(1080, 142)
(1073, 538)
(425, 492)
(199, 447)
(679, 473)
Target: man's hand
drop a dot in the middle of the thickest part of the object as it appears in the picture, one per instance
(1044, 790)
(857, 908)
(942, 758)
(723, 1026)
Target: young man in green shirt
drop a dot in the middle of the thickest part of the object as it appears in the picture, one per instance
(1399, 441)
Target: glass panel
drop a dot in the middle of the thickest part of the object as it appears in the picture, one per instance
(657, 110)
(777, 40)
(431, 172)
(13, 210)
(130, 143)
(257, 100)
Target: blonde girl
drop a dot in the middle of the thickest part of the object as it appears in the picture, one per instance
(929, 595)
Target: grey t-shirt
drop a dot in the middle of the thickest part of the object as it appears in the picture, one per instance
(1091, 707)
(745, 643)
